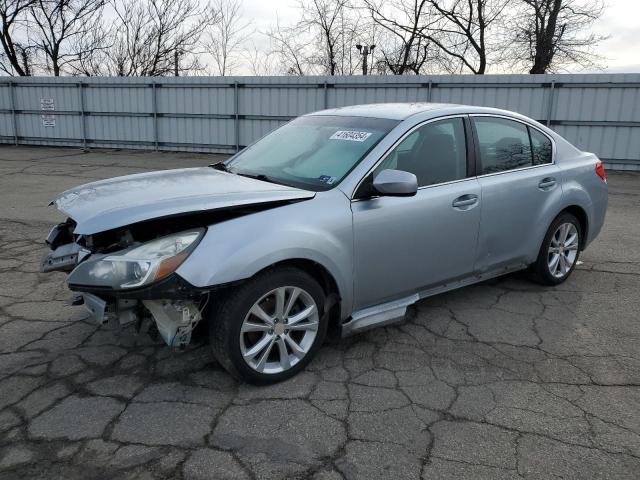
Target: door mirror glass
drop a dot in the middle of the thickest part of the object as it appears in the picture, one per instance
(395, 183)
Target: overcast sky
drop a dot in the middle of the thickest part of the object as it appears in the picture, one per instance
(621, 21)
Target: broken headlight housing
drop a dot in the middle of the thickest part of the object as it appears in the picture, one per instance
(140, 265)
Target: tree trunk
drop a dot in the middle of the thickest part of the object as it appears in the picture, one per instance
(7, 45)
(545, 40)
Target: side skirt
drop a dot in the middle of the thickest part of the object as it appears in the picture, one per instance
(393, 312)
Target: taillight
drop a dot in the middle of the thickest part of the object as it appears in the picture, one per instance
(600, 171)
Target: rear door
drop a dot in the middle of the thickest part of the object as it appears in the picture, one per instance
(404, 244)
(519, 186)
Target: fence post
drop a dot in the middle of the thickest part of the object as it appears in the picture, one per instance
(82, 115)
(236, 115)
(429, 91)
(154, 106)
(12, 105)
(550, 104)
(326, 96)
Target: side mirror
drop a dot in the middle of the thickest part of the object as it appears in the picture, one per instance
(395, 183)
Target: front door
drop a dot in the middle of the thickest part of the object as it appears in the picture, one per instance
(406, 244)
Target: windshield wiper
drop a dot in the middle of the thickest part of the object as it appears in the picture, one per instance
(220, 166)
(261, 177)
(256, 176)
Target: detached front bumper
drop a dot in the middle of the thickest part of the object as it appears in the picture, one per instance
(97, 308)
(171, 304)
(64, 258)
(65, 253)
(174, 320)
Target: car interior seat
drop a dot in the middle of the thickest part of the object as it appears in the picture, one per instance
(432, 159)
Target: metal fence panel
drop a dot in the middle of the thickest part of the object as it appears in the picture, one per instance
(5, 126)
(110, 129)
(114, 99)
(596, 112)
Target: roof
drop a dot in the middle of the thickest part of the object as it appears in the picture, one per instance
(393, 111)
(402, 111)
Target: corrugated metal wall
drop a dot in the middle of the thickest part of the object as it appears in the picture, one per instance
(597, 112)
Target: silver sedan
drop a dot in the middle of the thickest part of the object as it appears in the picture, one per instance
(337, 221)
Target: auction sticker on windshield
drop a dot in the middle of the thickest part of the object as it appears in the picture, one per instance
(351, 135)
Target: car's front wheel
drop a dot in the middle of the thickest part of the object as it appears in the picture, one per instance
(268, 328)
(559, 251)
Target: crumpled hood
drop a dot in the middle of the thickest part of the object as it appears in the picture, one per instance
(120, 201)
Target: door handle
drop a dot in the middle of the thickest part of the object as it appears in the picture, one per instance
(547, 183)
(465, 201)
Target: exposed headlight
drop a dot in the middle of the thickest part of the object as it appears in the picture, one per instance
(140, 265)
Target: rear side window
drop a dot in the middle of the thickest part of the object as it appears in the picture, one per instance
(540, 147)
(504, 144)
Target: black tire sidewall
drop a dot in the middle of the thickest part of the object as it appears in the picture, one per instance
(226, 324)
(542, 266)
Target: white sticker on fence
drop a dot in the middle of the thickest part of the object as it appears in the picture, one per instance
(47, 104)
(48, 120)
(350, 135)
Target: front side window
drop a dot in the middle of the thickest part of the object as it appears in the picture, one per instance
(434, 153)
(314, 152)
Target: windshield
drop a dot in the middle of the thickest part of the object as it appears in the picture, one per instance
(313, 153)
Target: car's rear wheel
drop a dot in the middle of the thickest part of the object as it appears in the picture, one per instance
(270, 327)
(560, 250)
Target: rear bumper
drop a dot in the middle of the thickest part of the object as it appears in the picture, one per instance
(598, 215)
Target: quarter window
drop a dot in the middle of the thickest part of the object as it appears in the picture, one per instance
(540, 146)
(434, 153)
(504, 144)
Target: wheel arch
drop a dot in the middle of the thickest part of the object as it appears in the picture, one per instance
(327, 282)
(582, 217)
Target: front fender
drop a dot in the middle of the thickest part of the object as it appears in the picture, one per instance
(319, 230)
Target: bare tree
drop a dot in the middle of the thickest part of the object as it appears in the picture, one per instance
(227, 35)
(550, 34)
(92, 51)
(290, 49)
(57, 27)
(322, 18)
(463, 30)
(156, 37)
(259, 62)
(14, 53)
(323, 41)
(356, 30)
(406, 46)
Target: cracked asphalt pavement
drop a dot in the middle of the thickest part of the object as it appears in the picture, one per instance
(505, 379)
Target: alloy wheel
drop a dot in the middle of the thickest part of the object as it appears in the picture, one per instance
(279, 330)
(563, 250)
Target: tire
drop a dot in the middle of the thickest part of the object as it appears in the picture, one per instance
(567, 250)
(237, 333)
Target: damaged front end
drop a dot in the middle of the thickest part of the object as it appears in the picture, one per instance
(128, 276)
(126, 237)
(66, 253)
(173, 320)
